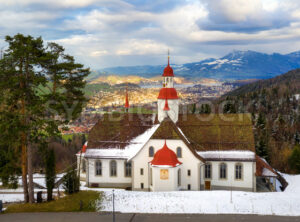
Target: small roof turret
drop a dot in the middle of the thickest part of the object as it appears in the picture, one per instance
(165, 157)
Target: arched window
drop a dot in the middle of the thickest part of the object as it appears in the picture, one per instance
(179, 177)
(151, 151)
(179, 152)
(207, 171)
(238, 171)
(83, 166)
(127, 169)
(113, 168)
(98, 168)
(223, 171)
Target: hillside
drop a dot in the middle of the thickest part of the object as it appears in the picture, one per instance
(292, 79)
(274, 104)
(235, 65)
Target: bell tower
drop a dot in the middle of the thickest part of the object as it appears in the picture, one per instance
(168, 101)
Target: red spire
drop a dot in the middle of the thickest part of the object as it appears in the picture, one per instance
(83, 149)
(126, 100)
(165, 157)
(166, 108)
(168, 71)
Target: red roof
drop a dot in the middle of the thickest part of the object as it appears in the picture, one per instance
(168, 71)
(166, 108)
(165, 157)
(167, 93)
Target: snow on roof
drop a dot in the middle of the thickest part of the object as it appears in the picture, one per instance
(230, 154)
(128, 152)
(183, 134)
(268, 173)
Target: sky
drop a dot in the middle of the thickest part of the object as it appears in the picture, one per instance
(106, 33)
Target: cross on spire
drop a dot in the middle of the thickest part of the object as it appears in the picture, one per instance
(168, 57)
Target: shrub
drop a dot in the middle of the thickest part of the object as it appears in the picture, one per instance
(71, 182)
(294, 159)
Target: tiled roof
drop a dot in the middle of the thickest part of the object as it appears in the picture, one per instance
(200, 132)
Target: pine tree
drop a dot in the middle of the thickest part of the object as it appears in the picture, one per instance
(294, 159)
(194, 108)
(26, 69)
(50, 172)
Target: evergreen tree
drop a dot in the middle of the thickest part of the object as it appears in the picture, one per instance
(194, 108)
(26, 70)
(205, 108)
(294, 159)
(71, 182)
(50, 172)
(261, 149)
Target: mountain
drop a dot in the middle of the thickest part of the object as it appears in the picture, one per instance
(235, 65)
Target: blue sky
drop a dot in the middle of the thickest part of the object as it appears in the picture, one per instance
(104, 33)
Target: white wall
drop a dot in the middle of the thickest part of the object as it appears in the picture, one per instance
(248, 175)
(142, 159)
(106, 178)
(169, 184)
(172, 113)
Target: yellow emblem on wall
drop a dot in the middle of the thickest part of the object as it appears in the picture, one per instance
(164, 174)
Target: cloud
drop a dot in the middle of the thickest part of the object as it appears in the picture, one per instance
(102, 33)
(63, 3)
(245, 16)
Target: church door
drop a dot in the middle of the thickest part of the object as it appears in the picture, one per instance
(207, 185)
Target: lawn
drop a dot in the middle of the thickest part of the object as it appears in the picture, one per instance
(70, 203)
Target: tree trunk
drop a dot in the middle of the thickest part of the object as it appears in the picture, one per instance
(30, 175)
(23, 141)
(24, 172)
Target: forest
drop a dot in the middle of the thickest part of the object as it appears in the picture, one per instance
(274, 105)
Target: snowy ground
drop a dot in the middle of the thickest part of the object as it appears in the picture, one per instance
(208, 202)
(198, 202)
(16, 195)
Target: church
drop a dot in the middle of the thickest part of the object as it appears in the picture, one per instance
(172, 151)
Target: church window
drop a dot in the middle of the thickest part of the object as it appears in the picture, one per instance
(189, 186)
(179, 177)
(142, 171)
(98, 168)
(113, 168)
(127, 169)
(83, 166)
(223, 171)
(179, 152)
(151, 151)
(238, 171)
(189, 172)
(207, 171)
(142, 185)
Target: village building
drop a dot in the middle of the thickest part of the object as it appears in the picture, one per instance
(172, 151)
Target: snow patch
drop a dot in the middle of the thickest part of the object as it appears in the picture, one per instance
(231, 154)
(207, 202)
(128, 152)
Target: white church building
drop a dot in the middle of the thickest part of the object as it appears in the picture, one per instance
(172, 151)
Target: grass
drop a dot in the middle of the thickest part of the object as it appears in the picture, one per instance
(70, 203)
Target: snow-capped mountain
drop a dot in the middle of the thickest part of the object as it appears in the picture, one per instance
(235, 65)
